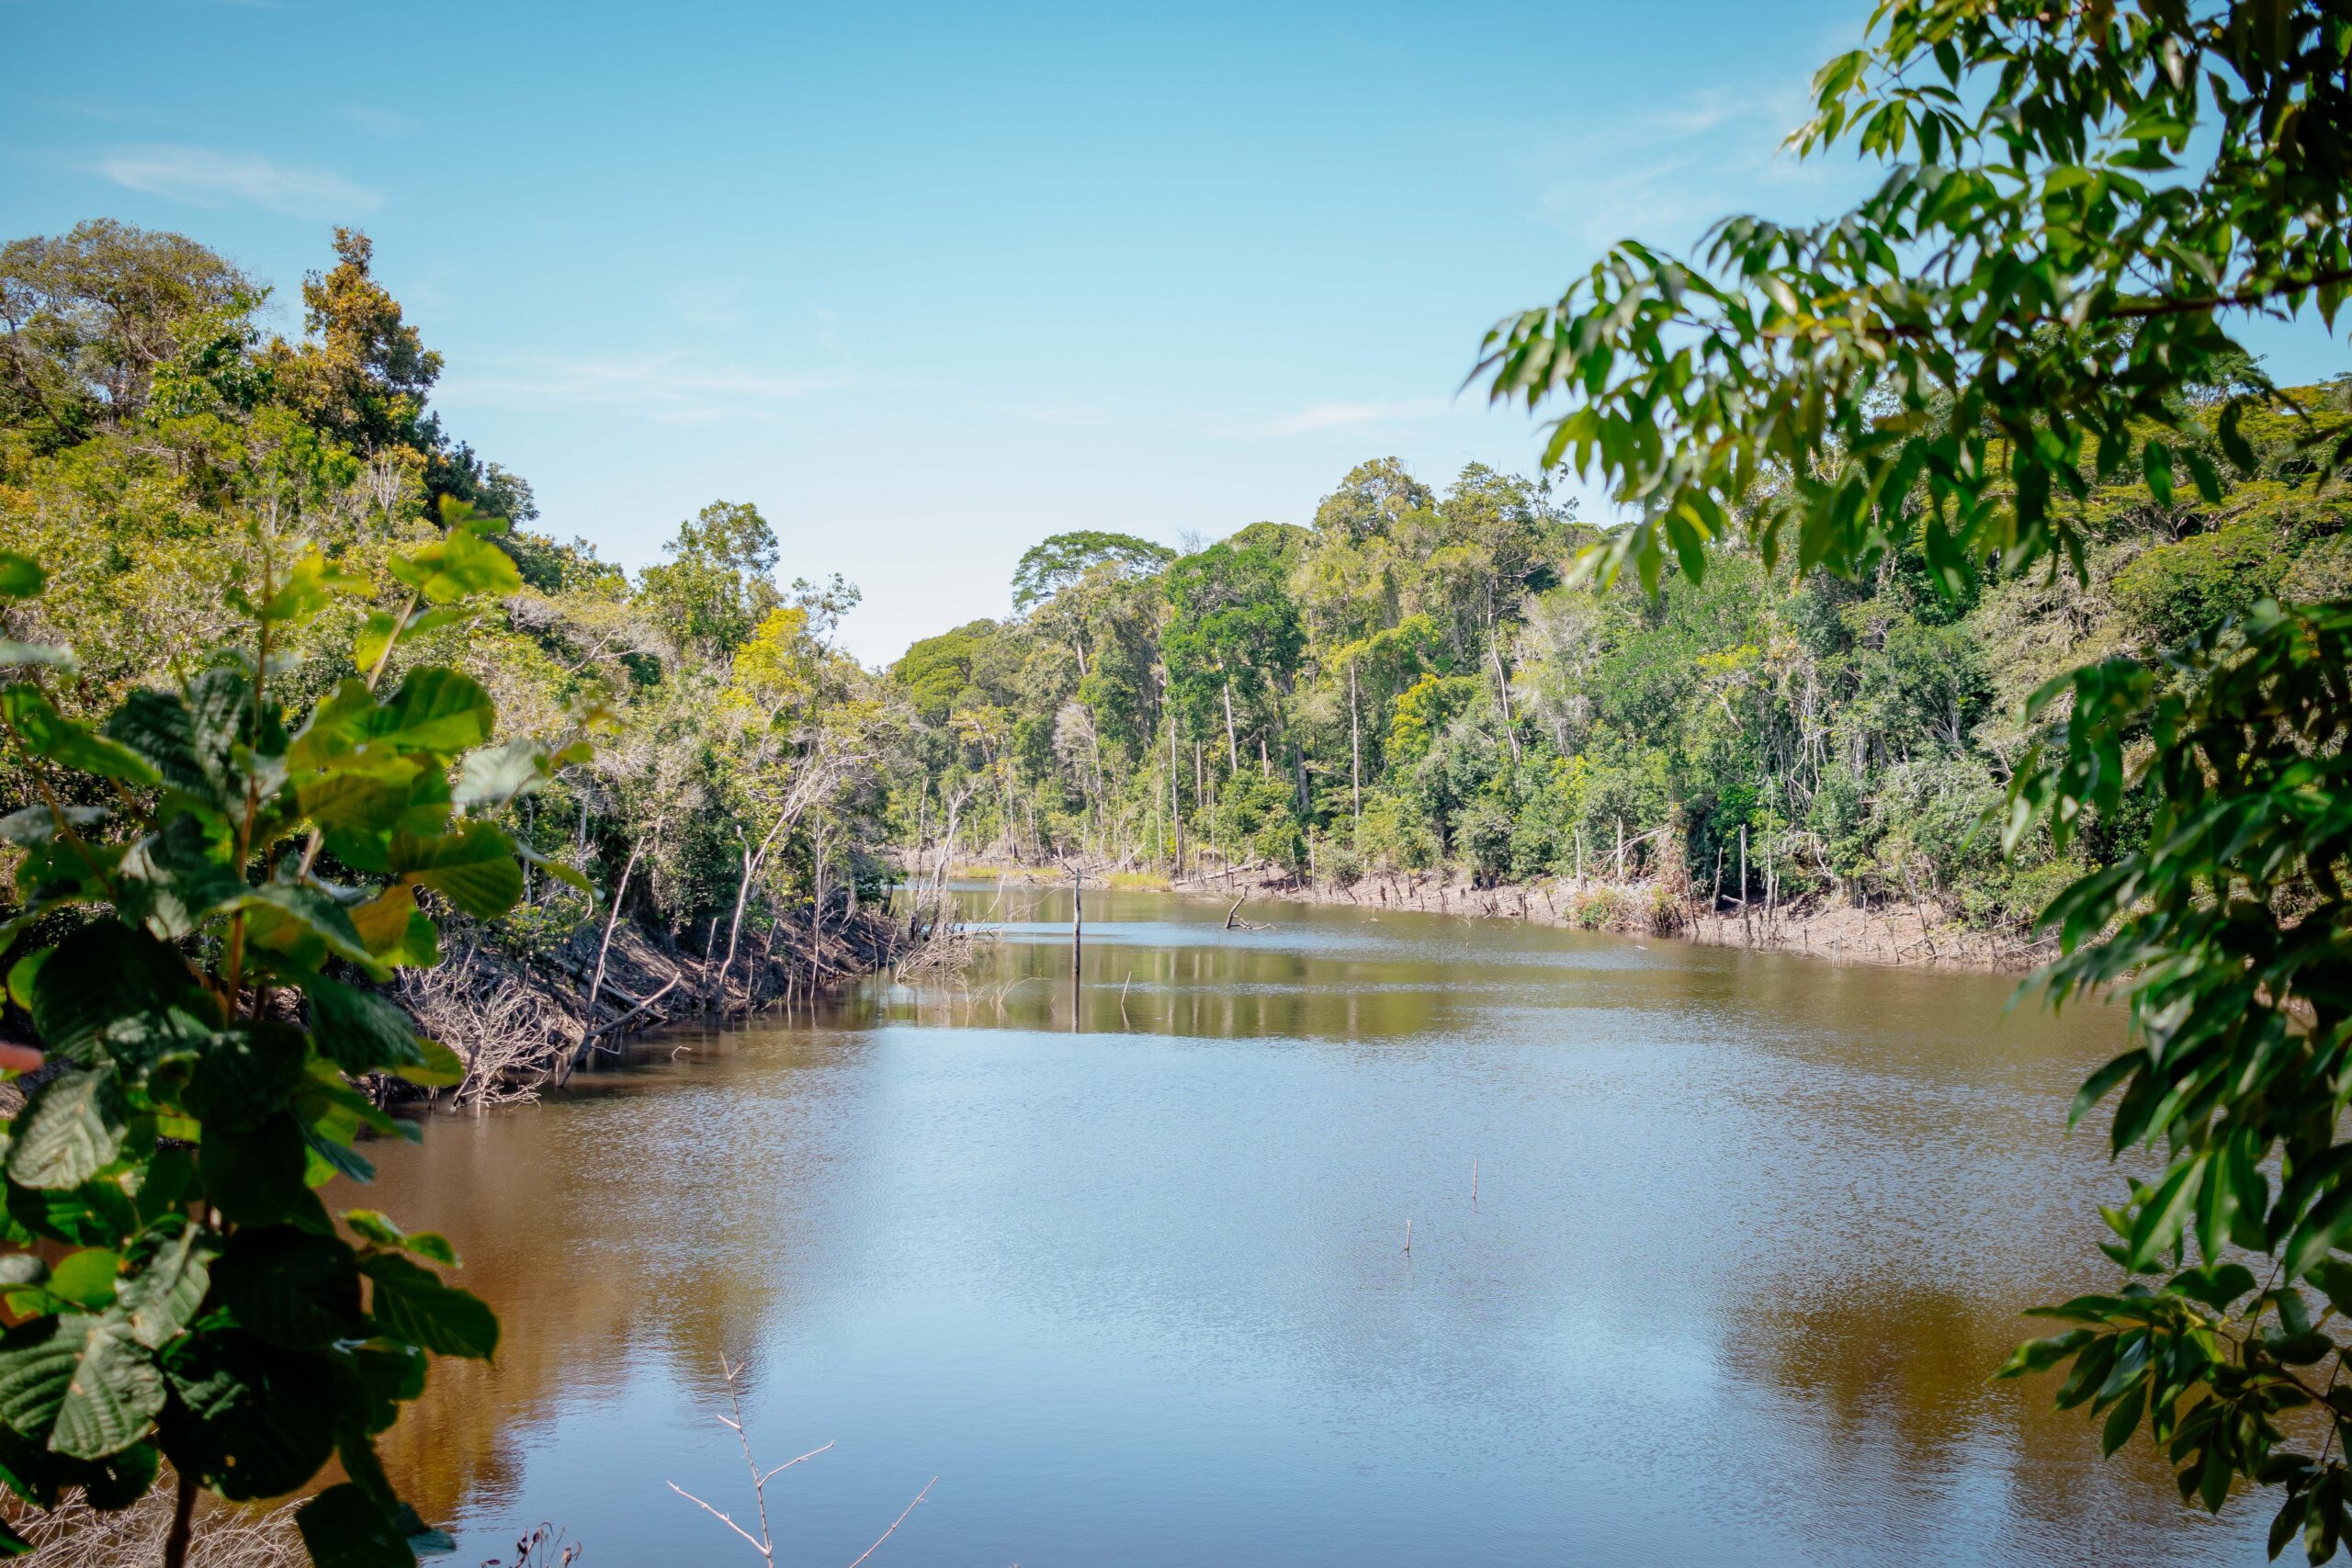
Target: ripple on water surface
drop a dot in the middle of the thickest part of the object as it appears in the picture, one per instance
(1121, 1264)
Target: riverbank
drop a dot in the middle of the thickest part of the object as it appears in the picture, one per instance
(523, 1017)
(1919, 936)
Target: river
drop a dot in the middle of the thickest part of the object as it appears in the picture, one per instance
(1124, 1265)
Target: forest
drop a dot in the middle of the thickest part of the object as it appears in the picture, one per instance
(1417, 678)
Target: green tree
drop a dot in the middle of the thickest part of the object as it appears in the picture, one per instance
(362, 371)
(719, 581)
(2099, 192)
(1371, 502)
(1054, 563)
(88, 319)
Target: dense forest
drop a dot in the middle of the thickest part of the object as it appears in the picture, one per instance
(1412, 681)
(724, 768)
(1414, 678)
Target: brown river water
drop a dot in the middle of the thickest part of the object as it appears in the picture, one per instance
(1123, 1264)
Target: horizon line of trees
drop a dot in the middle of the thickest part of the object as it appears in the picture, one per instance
(1415, 682)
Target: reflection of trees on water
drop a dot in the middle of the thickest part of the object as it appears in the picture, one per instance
(612, 1244)
(1891, 1377)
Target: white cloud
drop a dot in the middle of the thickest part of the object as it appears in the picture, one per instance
(668, 387)
(1663, 175)
(1338, 415)
(1334, 415)
(385, 123)
(204, 177)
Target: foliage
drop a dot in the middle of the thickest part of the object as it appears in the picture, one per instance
(1054, 563)
(200, 988)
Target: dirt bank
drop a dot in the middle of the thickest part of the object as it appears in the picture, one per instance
(1881, 934)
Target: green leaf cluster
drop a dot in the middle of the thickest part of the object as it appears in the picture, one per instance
(202, 992)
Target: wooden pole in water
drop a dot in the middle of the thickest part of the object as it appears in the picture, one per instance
(1409, 1235)
(1474, 1181)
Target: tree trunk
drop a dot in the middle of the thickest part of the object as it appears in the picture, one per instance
(596, 981)
(1175, 795)
(1355, 745)
(1502, 677)
(1232, 748)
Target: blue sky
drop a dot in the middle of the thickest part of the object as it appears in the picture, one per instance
(929, 283)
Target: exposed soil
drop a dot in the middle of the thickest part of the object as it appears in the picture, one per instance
(1883, 933)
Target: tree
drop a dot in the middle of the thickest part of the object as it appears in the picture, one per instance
(87, 320)
(2040, 303)
(1371, 501)
(1233, 636)
(1054, 563)
(362, 371)
(719, 581)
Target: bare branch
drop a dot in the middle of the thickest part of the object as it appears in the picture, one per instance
(723, 1520)
(895, 1523)
(787, 1464)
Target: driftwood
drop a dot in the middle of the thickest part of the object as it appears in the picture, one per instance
(1233, 922)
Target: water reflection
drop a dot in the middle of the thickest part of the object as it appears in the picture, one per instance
(1125, 1270)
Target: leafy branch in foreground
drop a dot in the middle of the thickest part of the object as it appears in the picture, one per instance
(2035, 307)
(1976, 343)
(182, 1293)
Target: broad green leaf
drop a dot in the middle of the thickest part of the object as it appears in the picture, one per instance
(188, 739)
(379, 1229)
(439, 1068)
(434, 711)
(48, 734)
(98, 978)
(73, 1125)
(37, 824)
(256, 1178)
(474, 868)
(20, 576)
(36, 656)
(383, 630)
(2327, 1225)
(494, 775)
(172, 881)
(2123, 1420)
(2166, 1211)
(302, 921)
(88, 1278)
(114, 1395)
(359, 1031)
(410, 1303)
(253, 1420)
(244, 1076)
(172, 1272)
(461, 565)
(79, 1382)
(344, 1527)
(290, 1287)
(310, 587)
